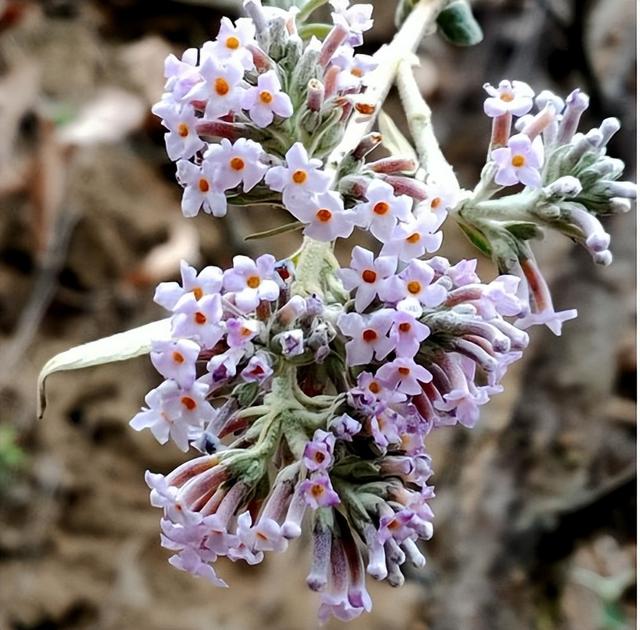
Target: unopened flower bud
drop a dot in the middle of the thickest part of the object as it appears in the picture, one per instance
(566, 186)
(577, 103)
(331, 43)
(407, 186)
(315, 95)
(393, 165)
(366, 145)
(608, 128)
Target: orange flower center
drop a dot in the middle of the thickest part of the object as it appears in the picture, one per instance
(323, 215)
(253, 282)
(404, 371)
(203, 185)
(200, 318)
(413, 238)
(236, 163)
(232, 42)
(405, 327)
(317, 490)
(414, 287)
(381, 208)
(183, 130)
(221, 86)
(369, 335)
(436, 203)
(299, 176)
(188, 402)
(177, 357)
(374, 387)
(319, 457)
(266, 97)
(369, 276)
(356, 72)
(198, 293)
(507, 97)
(518, 160)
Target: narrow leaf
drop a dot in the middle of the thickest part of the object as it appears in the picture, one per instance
(393, 139)
(120, 347)
(281, 229)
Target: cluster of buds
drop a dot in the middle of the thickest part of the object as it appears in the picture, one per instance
(309, 389)
(568, 184)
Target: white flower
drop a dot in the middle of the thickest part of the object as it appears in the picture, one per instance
(200, 189)
(266, 99)
(232, 42)
(236, 163)
(382, 211)
(302, 176)
(220, 87)
(182, 140)
(324, 216)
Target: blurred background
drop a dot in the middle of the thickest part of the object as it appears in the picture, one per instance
(536, 514)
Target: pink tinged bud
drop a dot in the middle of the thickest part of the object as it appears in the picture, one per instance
(261, 60)
(320, 556)
(353, 185)
(540, 121)
(577, 103)
(367, 145)
(253, 8)
(292, 310)
(356, 593)
(331, 81)
(315, 95)
(407, 186)
(393, 165)
(212, 129)
(192, 468)
(331, 43)
(501, 130)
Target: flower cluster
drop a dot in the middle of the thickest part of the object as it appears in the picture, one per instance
(309, 389)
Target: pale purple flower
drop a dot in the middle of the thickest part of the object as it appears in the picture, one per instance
(324, 216)
(382, 210)
(440, 199)
(266, 99)
(236, 163)
(299, 178)
(407, 333)
(207, 282)
(514, 97)
(412, 289)
(345, 427)
(385, 427)
(181, 75)
(318, 492)
(175, 413)
(182, 140)
(251, 281)
(221, 367)
(318, 454)
(503, 292)
(356, 19)
(231, 42)
(241, 331)
(176, 359)
(354, 68)
(414, 238)
(519, 162)
(220, 86)
(201, 189)
(368, 276)
(291, 342)
(259, 369)
(552, 319)
(189, 560)
(405, 374)
(369, 336)
(371, 391)
(198, 319)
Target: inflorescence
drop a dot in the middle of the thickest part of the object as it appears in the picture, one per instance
(307, 388)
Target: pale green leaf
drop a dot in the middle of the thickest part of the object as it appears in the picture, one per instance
(119, 347)
(393, 139)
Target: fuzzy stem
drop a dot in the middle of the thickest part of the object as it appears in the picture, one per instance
(405, 42)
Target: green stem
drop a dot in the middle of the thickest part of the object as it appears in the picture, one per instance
(308, 9)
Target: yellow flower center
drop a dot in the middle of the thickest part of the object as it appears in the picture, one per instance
(413, 238)
(266, 97)
(414, 287)
(232, 42)
(518, 160)
(183, 130)
(253, 282)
